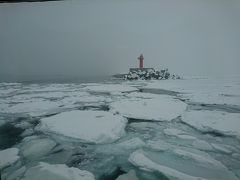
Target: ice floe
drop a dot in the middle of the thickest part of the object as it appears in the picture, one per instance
(178, 133)
(214, 121)
(202, 167)
(8, 157)
(34, 108)
(132, 143)
(158, 145)
(37, 147)
(56, 172)
(223, 148)
(207, 90)
(202, 145)
(159, 108)
(90, 126)
(131, 175)
(204, 159)
(139, 159)
(110, 88)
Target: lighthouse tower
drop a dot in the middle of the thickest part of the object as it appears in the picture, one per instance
(141, 58)
(140, 68)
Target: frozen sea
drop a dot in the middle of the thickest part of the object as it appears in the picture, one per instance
(145, 130)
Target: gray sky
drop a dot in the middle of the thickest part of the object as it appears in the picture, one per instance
(76, 38)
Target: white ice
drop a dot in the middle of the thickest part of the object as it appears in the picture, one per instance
(226, 123)
(158, 108)
(56, 172)
(8, 157)
(90, 126)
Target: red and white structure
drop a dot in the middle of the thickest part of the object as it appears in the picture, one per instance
(141, 58)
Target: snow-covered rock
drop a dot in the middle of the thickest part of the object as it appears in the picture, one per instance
(160, 108)
(90, 126)
(207, 121)
(8, 157)
(56, 172)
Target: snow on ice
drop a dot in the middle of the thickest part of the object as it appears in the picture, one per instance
(90, 126)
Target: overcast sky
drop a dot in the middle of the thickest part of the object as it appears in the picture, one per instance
(77, 38)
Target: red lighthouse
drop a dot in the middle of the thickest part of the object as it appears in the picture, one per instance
(141, 58)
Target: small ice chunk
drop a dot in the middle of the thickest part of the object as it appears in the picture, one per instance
(90, 126)
(56, 172)
(8, 157)
(37, 147)
(160, 108)
(131, 175)
(202, 145)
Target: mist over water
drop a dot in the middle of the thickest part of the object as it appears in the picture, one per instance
(82, 38)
